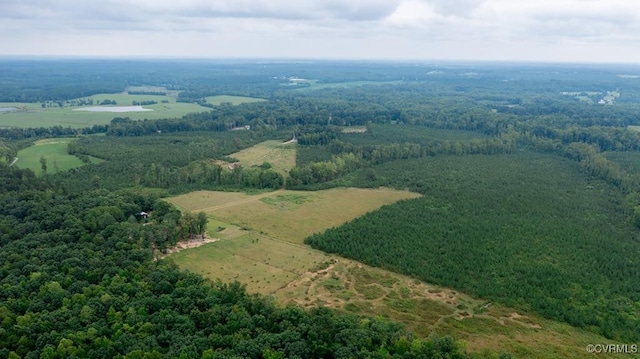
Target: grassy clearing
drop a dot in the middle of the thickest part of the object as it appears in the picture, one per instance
(282, 157)
(234, 100)
(54, 150)
(297, 274)
(32, 115)
(354, 129)
(289, 215)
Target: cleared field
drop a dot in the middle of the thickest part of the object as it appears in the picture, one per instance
(354, 129)
(124, 98)
(54, 150)
(234, 100)
(31, 115)
(297, 274)
(289, 215)
(281, 156)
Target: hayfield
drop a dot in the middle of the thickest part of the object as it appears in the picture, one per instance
(290, 215)
(281, 156)
(54, 150)
(234, 100)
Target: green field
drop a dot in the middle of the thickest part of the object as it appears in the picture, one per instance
(294, 273)
(234, 100)
(54, 150)
(32, 115)
(281, 156)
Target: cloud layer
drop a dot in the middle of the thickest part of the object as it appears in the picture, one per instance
(551, 30)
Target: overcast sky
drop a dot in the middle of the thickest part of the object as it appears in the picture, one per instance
(504, 30)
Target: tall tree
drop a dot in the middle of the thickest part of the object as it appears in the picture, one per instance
(201, 223)
(43, 164)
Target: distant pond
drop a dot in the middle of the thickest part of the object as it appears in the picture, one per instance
(113, 109)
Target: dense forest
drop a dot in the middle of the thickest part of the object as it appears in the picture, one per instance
(531, 198)
(524, 229)
(79, 281)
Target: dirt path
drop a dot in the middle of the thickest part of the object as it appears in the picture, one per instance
(191, 243)
(15, 159)
(240, 201)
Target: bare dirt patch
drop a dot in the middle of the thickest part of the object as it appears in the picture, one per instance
(190, 243)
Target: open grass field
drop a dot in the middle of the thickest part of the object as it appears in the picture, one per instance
(234, 100)
(33, 115)
(295, 273)
(282, 157)
(54, 150)
(289, 215)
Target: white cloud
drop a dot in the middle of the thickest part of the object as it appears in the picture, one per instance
(466, 29)
(413, 13)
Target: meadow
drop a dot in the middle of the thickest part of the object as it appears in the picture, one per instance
(281, 156)
(54, 150)
(289, 215)
(270, 261)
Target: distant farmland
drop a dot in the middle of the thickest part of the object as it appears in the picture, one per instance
(30, 115)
